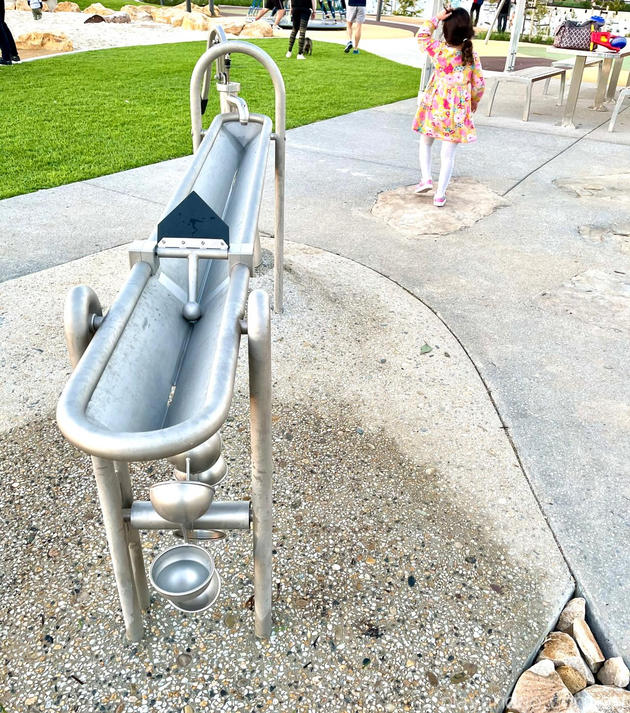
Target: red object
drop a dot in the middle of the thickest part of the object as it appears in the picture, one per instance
(606, 39)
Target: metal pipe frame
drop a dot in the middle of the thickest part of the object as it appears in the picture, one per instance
(259, 354)
(233, 515)
(143, 445)
(197, 86)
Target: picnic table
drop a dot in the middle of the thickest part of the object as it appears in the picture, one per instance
(606, 84)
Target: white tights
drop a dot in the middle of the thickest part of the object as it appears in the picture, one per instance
(447, 162)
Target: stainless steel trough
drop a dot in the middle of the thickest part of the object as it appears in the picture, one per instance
(154, 377)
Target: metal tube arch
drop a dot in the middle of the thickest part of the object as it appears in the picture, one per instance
(198, 77)
(151, 445)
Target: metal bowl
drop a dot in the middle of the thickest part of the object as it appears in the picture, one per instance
(181, 501)
(201, 534)
(182, 572)
(202, 601)
(213, 476)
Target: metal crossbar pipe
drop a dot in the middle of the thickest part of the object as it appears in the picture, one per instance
(233, 515)
(148, 445)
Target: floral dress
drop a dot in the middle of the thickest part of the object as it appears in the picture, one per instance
(454, 90)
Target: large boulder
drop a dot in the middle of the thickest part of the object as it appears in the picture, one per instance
(137, 13)
(603, 699)
(44, 40)
(257, 29)
(563, 651)
(163, 14)
(66, 6)
(195, 21)
(98, 8)
(233, 28)
(541, 690)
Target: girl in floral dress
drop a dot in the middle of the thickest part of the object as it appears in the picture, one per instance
(451, 97)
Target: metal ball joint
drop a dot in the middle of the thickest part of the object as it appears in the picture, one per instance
(191, 311)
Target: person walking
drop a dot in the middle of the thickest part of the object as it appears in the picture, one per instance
(301, 12)
(355, 17)
(7, 43)
(451, 97)
(273, 5)
(504, 14)
(475, 9)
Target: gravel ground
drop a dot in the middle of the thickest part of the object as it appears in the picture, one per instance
(401, 524)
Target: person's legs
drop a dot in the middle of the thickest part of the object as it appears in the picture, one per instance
(295, 19)
(305, 16)
(262, 12)
(426, 144)
(357, 34)
(447, 163)
(502, 22)
(279, 17)
(474, 13)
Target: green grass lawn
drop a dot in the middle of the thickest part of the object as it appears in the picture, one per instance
(79, 116)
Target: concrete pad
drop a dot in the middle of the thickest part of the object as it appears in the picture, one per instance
(413, 567)
(543, 366)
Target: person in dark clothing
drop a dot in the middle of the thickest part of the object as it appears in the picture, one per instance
(475, 10)
(301, 12)
(7, 43)
(503, 16)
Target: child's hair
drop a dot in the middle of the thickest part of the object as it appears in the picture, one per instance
(458, 30)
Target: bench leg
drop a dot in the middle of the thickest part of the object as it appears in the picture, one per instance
(613, 119)
(546, 88)
(493, 91)
(563, 79)
(528, 101)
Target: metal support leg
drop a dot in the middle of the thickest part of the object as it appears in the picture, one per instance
(493, 91)
(259, 352)
(574, 91)
(278, 267)
(563, 80)
(528, 101)
(257, 250)
(614, 78)
(602, 86)
(110, 498)
(133, 537)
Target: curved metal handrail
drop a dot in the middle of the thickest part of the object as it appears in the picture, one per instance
(279, 136)
(146, 445)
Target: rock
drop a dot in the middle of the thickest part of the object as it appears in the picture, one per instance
(614, 672)
(572, 678)
(98, 8)
(137, 12)
(94, 19)
(233, 28)
(415, 216)
(195, 21)
(563, 651)
(575, 609)
(44, 40)
(66, 6)
(163, 14)
(9, 5)
(603, 699)
(540, 690)
(257, 29)
(177, 19)
(588, 645)
(22, 5)
(118, 18)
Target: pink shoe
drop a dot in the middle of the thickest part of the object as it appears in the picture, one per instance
(423, 187)
(439, 201)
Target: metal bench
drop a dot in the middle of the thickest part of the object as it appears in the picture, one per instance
(569, 64)
(527, 77)
(154, 377)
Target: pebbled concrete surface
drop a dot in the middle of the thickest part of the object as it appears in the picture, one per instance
(413, 568)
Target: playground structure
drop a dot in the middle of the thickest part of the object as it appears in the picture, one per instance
(154, 377)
